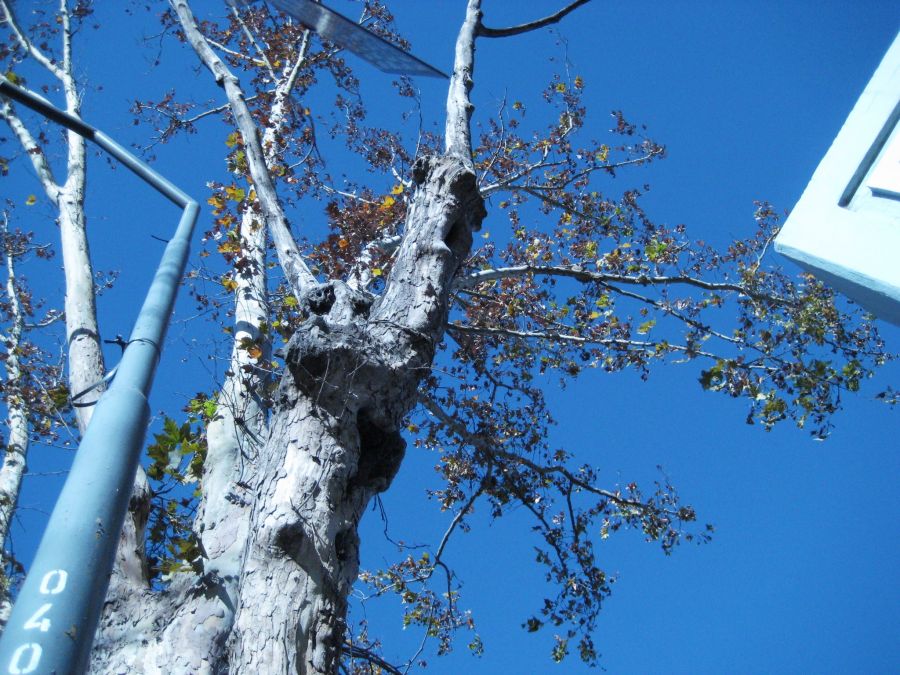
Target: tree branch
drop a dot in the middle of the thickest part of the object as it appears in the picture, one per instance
(484, 31)
(236, 54)
(26, 44)
(491, 449)
(264, 58)
(579, 273)
(507, 183)
(459, 103)
(295, 269)
(693, 323)
(66, 21)
(38, 160)
(579, 339)
(366, 655)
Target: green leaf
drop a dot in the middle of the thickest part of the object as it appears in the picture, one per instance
(235, 193)
(645, 327)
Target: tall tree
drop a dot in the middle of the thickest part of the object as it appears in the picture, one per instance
(34, 392)
(33, 43)
(42, 49)
(400, 325)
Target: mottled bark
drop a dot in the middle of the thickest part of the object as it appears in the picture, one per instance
(16, 450)
(352, 376)
(333, 442)
(457, 132)
(86, 366)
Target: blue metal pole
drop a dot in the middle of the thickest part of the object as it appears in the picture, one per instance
(51, 628)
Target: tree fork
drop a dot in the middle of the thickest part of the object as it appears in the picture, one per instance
(353, 369)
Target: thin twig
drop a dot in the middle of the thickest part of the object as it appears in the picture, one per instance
(484, 31)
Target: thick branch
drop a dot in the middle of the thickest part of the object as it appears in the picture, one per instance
(25, 43)
(579, 273)
(459, 104)
(484, 31)
(66, 21)
(14, 467)
(553, 336)
(38, 161)
(295, 268)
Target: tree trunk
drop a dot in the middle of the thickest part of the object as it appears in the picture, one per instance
(16, 451)
(352, 374)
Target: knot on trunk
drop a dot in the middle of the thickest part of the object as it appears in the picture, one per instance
(331, 357)
(337, 301)
(319, 300)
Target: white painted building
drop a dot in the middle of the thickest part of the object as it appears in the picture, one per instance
(846, 227)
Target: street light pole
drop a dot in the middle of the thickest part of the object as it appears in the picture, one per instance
(51, 628)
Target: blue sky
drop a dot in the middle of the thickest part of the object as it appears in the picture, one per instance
(801, 575)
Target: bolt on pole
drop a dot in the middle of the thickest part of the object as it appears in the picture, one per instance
(51, 628)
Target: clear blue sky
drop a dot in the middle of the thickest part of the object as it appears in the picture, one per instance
(747, 96)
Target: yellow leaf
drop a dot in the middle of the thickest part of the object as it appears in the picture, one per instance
(31, 201)
(486, 235)
(397, 190)
(645, 327)
(235, 193)
(233, 139)
(376, 272)
(387, 202)
(254, 351)
(560, 87)
(579, 82)
(229, 284)
(229, 246)
(595, 315)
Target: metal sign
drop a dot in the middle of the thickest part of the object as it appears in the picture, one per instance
(364, 43)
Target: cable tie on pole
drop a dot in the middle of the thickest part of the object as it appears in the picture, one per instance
(106, 378)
